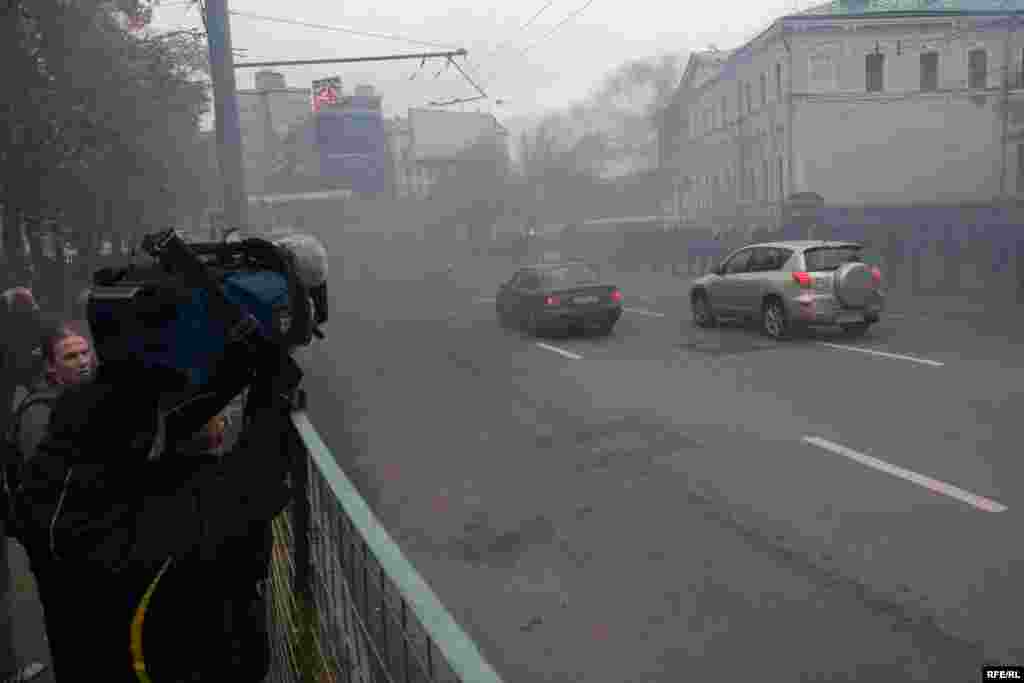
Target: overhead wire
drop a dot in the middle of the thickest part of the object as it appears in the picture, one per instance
(528, 24)
(370, 34)
(462, 100)
(559, 25)
(341, 29)
(478, 72)
(492, 73)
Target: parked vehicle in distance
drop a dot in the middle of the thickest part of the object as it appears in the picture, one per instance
(563, 297)
(789, 285)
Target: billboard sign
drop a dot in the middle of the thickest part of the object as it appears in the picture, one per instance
(326, 92)
(353, 144)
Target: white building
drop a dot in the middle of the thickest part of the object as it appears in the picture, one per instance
(863, 107)
(438, 139)
(267, 114)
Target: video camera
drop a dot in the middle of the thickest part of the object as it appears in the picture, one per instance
(181, 311)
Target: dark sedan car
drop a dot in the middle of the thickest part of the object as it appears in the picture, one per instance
(563, 297)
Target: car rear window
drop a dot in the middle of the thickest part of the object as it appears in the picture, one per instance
(830, 258)
(570, 276)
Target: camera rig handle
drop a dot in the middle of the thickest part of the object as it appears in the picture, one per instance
(174, 253)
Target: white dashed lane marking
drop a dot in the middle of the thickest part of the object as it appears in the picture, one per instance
(644, 311)
(934, 485)
(885, 354)
(560, 351)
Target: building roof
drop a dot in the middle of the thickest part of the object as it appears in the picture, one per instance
(702, 66)
(875, 7)
(723, 64)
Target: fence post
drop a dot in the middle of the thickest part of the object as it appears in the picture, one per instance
(300, 482)
(302, 585)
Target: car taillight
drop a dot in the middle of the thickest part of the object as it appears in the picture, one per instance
(876, 275)
(617, 296)
(552, 301)
(802, 278)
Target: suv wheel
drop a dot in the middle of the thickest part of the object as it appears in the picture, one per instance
(855, 329)
(503, 317)
(703, 316)
(774, 321)
(532, 324)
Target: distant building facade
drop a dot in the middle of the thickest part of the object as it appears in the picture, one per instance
(280, 142)
(862, 105)
(439, 140)
(268, 113)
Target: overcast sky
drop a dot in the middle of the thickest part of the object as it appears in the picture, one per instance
(560, 68)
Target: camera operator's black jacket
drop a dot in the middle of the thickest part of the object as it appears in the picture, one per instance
(101, 521)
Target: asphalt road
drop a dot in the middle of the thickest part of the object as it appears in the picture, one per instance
(673, 504)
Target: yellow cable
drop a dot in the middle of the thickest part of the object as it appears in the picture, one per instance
(138, 659)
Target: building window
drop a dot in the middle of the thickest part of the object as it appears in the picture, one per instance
(778, 81)
(766, 179)
(725, 112)
(764, 90)
(750, 104)
(822, 73)
(780, 181)
(874, 65)
(977, 69)
(930, 71)
(753, 184)
(1020, 70)
(1020, 168)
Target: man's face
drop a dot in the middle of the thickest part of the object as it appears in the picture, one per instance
(73, 361)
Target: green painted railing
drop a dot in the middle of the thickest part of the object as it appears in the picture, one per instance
(347, 605)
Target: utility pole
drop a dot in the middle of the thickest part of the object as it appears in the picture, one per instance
(225, 102)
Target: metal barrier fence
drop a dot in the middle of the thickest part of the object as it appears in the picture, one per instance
(345, 604)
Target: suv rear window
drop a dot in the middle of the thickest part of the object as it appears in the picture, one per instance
(830, 258)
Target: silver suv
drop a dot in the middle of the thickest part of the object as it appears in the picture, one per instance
(787, 285)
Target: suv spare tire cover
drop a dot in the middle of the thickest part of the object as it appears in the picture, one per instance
(854, 284)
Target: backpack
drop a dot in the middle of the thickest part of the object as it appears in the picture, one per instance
(12, 460)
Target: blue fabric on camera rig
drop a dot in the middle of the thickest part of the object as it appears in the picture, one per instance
(148, 315)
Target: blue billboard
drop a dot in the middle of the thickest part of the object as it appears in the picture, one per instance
(353, 145)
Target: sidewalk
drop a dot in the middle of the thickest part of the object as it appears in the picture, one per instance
(21, 624)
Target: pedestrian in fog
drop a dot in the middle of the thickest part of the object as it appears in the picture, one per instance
(21, 327)
(68, 360)
(20, 366)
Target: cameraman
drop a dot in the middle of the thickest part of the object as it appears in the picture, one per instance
(126, 545)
